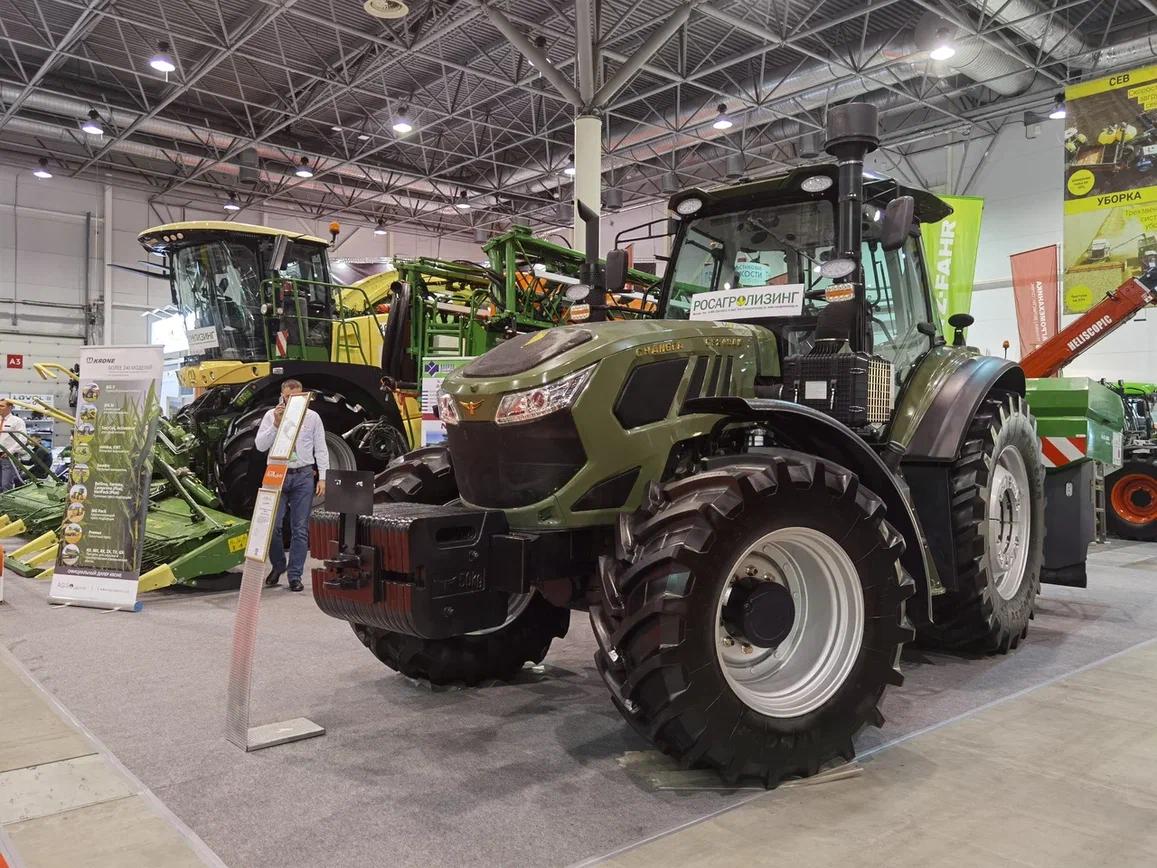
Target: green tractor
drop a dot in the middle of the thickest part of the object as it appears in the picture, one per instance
(759, 497)
(1131, 490)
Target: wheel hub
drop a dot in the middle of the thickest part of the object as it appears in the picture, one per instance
(790, 622)
(759, 613)
(1008, 522)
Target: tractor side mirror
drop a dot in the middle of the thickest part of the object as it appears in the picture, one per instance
(959, 321)
(616, 270)
(898, 218)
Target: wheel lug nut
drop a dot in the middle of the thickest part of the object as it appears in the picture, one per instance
(728, 641)
(751, 571)
(747, 649)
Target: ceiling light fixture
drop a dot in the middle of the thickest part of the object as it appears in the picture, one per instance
(462, 204)
(570, 169)
(231, 203)
(723, 122)
(1059, 112)
(943, 49)
(303, 169)
(41, 170)
(92, 124)
(162, 61)
(402, 123)
(380, 229)
(336, 128)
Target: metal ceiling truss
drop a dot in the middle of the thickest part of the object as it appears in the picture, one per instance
(492, 87)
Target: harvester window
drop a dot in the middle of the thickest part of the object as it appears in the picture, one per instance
(218, 283)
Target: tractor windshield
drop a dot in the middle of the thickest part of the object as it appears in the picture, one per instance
(784, 245)
(218, 286)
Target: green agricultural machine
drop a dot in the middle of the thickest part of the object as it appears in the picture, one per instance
(189, 540)
(1131, 490)
(1079, 422)
(759, 497)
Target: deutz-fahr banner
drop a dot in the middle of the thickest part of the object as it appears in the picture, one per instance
(1110, 184)
(950, 252)
(99, 560)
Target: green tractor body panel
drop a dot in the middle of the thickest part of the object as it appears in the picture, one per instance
(1083, 412)
(925, 383)
(627, 420)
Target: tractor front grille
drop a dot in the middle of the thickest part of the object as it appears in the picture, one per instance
(509, 466)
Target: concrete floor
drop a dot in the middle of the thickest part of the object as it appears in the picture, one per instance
(543, 772)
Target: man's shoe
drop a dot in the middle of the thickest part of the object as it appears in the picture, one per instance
(296, 585)
(272, 579)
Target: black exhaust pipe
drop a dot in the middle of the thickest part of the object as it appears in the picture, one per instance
(853, 133)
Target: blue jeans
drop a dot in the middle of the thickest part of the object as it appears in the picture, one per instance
(9, 475)
(297, 495)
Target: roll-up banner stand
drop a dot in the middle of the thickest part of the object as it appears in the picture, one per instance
(98, 563)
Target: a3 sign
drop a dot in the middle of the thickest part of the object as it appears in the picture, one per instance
(15, 360)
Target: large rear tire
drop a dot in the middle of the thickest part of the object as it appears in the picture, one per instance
(998, 532)
(777, 681)
(427, 476)
(1131, 494)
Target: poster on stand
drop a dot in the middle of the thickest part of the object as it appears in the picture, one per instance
(433, 373)
(99, 559)
(950, 254)
(1034, 291)
(1110, 227)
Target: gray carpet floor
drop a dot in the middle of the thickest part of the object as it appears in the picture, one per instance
(542, 772)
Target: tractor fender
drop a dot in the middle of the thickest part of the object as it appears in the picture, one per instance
(809, 431)
(939, 430)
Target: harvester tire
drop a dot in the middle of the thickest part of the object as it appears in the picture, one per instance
(1131, 497)
(667, 651)
(997, 570)
(241, 465)
(427, 476)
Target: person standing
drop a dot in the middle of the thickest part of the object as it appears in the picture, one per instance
(299, 489)
(10, 424)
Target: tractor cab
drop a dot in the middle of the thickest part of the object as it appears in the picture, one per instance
(769, 253)
(229, 280)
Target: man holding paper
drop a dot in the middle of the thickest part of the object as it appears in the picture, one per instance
(10, 424)
(299, 490)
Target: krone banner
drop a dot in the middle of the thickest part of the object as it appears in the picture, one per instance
(1110, 184)
(950, 253)
(99, 560)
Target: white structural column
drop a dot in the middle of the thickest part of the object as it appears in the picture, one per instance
(107, 230)
(588, 178)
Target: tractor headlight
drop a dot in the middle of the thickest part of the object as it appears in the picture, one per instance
(447, 409)
(542, 400)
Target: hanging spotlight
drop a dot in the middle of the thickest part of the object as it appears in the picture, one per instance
(1059, 112)
(612, 198)
(723, 122)
(462, 204)
(402, 123)
(570, 169)
(380, 229)
(336, 128)
(669, 183)
(41, 170)
(943, 48)
(303, 169)
(162, 61)
(231, 203)
(92, 124)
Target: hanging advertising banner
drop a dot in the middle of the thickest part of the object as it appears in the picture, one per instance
(1034, 290)
(950, 252)
(99, 560)
(1110, 184)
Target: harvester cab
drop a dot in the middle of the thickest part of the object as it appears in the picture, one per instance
(751, 495)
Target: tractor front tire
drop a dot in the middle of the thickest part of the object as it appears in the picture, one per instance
(998, 532)
(427, 476)
(1131, 495)
(817, 571)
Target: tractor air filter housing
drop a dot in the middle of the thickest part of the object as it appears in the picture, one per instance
(853, 388)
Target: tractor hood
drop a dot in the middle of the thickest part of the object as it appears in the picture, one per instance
(539, 358)
(563, 427)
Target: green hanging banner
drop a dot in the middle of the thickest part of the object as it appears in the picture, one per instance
(950, 251)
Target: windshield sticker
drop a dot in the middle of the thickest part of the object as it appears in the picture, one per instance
(757, 302)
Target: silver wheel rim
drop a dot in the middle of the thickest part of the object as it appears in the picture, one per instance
(1007, 522)
(816, 657)
(515, 606)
